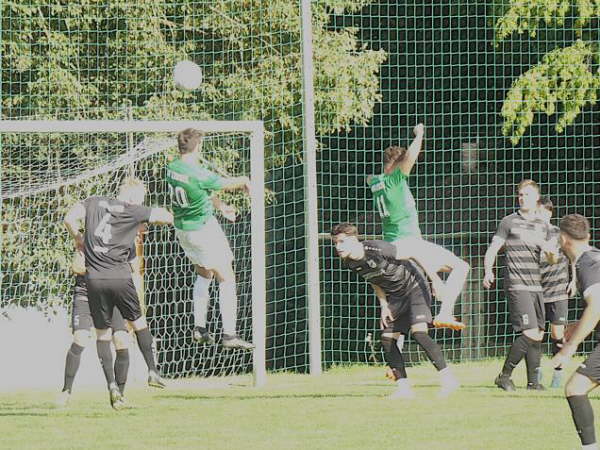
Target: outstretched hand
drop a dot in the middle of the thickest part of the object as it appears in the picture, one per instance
(419, 129)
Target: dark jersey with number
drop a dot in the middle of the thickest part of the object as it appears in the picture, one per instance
(588, 270)
(380, 267)
(110, 229)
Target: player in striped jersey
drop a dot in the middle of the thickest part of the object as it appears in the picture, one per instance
(575, 242)
(396, 206)
(525, 238)
(555, 285)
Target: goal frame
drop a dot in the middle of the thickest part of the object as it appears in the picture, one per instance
(255, 129)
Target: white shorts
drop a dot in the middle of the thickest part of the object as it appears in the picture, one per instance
(208, 246)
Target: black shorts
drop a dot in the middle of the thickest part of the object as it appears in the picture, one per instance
(591, 366)
(81, 317)
(556, 312)
(410, 309)
(527, 310)
(106, 294)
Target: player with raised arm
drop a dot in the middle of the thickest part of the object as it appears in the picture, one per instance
(405, 299)
(396, 206)
(525, 238)
(191, 187)
(556, 289)
(575, 242)
(81, 324)
(110, 226)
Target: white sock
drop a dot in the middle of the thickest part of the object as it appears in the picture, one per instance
(593, 446)
(402, 382)
(228, 306)
(201, 298)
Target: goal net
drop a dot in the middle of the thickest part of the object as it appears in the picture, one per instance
(48, 166)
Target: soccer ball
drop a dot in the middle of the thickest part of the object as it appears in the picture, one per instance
(187, 75)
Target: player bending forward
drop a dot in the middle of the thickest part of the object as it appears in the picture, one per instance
(396, 206)
(110, 226)
(575, 242)
(191, 186)
(405, 300)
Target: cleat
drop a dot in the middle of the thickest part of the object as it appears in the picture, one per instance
(155, 380)
(535, 387)
(448, 384)
(504, 382)
(448, 322)
(63, 399)
(403, 391)
(202, 337)
(556, 379)
(234, 342)
(116, 399)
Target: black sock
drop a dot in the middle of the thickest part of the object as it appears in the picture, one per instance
(583, 417)
(393, 357)
(72, 365)
(533, 360)
(144, 339)
(433, 351)
(556, 347)
(121, 368)
(106, 361)
(516, 353)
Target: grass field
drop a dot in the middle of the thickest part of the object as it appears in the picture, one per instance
(345, 408)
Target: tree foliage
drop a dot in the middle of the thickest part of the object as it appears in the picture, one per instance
(566, 79)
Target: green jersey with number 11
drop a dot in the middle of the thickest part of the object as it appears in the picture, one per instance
(190, 188)
(395, 205)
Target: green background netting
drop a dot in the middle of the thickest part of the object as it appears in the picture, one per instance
(380, 67)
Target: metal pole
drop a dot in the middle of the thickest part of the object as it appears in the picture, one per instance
(310, 193)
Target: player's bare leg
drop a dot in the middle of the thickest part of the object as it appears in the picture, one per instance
(144, 339)
(228, 306)
(576, 391)
(448, 382)
(392, 343)
(201, 298)
(557, 333)
(81, 339)
(103, 340)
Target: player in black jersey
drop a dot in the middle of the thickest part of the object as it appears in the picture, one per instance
(110, 226)
(575, 242)
(81, 325)
(405, 300)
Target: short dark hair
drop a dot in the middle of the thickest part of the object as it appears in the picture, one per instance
(546, 203)
(393, 154)
(188, 140)
(575, 226)
(526, 182)
(344, 228)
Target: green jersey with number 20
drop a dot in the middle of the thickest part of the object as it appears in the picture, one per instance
(395, 205)
(190, 188)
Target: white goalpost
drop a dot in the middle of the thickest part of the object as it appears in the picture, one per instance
(47, 165)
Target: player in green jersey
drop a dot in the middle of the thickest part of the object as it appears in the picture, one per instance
(396, 206)
(191, 187)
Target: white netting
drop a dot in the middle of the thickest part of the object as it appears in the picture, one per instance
(45, 173)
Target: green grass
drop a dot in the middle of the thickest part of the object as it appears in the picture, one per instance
(345, 408)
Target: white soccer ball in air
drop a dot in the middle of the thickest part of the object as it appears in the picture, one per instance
(187, 75)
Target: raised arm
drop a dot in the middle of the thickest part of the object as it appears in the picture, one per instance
(160, 216)
(227, 211)
(587, 323)
(490, 260)
(413, 151)
(236, 183)
(74, 221)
